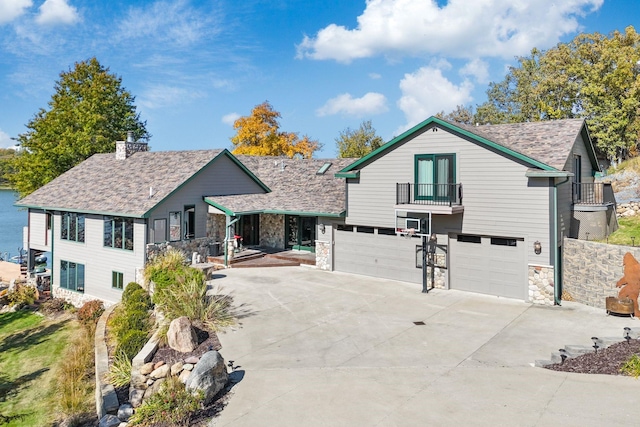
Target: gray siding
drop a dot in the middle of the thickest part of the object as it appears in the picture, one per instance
(38, 230)
(222, 177)
(99, 262)
(498, 199)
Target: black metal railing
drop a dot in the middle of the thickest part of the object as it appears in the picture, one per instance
(593, 193)
(429, 194)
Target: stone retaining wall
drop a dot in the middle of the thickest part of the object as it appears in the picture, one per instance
(591, 270)
(188, 247)
(628, 209)
(106, 398)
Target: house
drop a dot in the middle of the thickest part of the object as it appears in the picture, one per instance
(499, 199)
(103, 219)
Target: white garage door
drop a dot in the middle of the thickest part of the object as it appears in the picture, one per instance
(371, 254)
(488, 265)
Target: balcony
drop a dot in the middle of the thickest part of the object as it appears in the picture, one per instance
(593, 193)
(435, 198)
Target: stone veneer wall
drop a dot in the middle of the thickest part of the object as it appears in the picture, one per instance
(215, 226)
(188, 247)
(272, 230)
(75, 298)
(439, 273)
(323, 255)
(541, 284)
(591, 270)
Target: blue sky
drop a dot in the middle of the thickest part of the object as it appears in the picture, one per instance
(194, 66)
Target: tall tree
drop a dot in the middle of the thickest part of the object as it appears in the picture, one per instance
(461, 114)
(259, 134)
(359, 142)
(6, 156)
(593, 76)
(88, 112)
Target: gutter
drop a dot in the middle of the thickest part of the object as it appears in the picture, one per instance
(556, 273)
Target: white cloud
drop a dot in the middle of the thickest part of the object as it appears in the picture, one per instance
(12, 9)
(478, 69)
(370, 103)
(5, 140)
(461, 28)
(230, 118)
(374, 76)
(57, 12)
(161, 96)
(427, 92)
(167, 22)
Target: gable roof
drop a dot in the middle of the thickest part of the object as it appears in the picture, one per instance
(296, 188)
(103, 184)
(544, 145)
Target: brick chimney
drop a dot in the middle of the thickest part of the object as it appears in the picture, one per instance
(125, 149)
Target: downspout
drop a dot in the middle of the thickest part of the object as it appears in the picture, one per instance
(556, 252)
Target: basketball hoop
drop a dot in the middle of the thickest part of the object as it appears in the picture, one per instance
(408, 232)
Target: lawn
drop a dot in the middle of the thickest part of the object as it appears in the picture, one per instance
(629, 232)
(30, 349)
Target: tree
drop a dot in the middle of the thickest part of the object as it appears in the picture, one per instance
(461, 114)
(359, 142)
(593, 77)
(259, 135)
(6, 156)
(88, 112)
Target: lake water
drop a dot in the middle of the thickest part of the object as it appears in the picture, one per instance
(12, 221)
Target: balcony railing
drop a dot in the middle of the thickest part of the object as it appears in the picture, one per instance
(429, 194)
(593, 193)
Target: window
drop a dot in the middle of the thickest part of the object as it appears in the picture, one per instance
(72, 227)
(433, 173)
(577, 177)
(387, 231)
(118, 232)
(364, 229)
(175, 219)
(72, 276)
(344, 227)
(323, 168)
(189, 222)
(159, 230)
(117, 280)
(467, 238)
(503, 242)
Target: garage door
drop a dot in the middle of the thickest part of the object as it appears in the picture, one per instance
(488, 265)
(386, 256)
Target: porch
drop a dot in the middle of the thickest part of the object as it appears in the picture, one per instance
(266, 257)
(435, 198)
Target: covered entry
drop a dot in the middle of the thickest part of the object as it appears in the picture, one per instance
(488, 265)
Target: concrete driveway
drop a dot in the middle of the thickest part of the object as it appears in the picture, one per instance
(323, 348)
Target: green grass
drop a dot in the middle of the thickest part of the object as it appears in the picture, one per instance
(30, 349)
(629, 227)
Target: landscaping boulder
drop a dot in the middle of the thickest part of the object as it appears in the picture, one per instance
(109, 421)
(181, 335)
(125, 412)
(160, 372)
(147, 368)
(209, 375)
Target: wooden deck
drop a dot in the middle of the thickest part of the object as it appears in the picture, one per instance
(266, 257)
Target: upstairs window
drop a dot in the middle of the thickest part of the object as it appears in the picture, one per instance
(72, 227)
(433, 173)
(118, 232)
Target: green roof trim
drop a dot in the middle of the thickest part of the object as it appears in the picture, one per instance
(83, 211)
(446, 125)
(225, 153)
(219, 207)
(351, 174)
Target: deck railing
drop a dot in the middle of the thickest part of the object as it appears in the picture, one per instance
(593, 193)
(429, 194)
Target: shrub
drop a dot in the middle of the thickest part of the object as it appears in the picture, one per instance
(171, 405)
(123, 321)
(129, 289)
(632, 366)
(22, 295)
(132, 342)
(90, 312)
(138, 300)
(120, 370)
(55, 305)
(170, 260)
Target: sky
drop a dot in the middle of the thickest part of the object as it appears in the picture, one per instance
(196, 66)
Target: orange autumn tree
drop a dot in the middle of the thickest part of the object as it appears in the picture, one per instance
(259, 135)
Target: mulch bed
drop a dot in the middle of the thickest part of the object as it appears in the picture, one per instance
(207, 341)
(606, 361)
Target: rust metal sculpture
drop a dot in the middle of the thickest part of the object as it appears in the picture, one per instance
(630, 282)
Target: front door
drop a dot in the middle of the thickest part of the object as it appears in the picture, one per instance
(250, 230)
(301, 232)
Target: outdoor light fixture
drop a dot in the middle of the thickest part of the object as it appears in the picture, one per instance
(595, 343)
(322, 228)
(563, 355)
(537, 247)
(627, 334)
